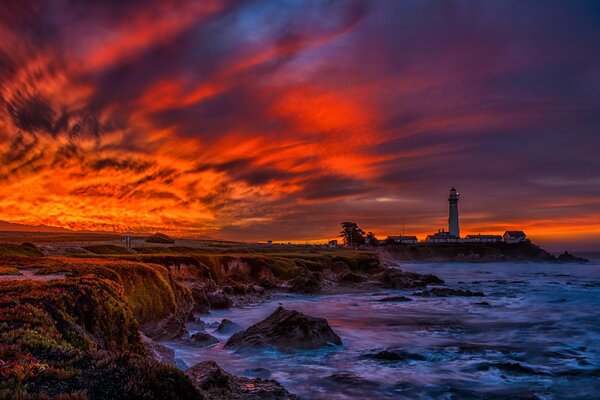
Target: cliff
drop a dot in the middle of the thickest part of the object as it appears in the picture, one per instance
(467, 252)
(82, 327)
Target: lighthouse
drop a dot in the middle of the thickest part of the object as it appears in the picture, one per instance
(453, 213)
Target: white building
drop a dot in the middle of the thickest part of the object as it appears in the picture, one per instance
(514, 237)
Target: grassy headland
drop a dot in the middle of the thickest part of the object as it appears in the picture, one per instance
(70, 325)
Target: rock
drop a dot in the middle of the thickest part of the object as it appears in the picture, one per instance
(514, 368)
(306, 282)
(395, 356)
(340, 267)
(445, 292)
(567, 257)
(157, 351)
(394, 299)
(350, 278)
(227, 326)
(214, 383)
(201, 303)
(267, 283)
(397, 279)
(218, 300)
(239, 289)
(203, 338)
(263, 373)
(286, 330)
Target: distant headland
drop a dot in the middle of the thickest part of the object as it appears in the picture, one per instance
(444, 246)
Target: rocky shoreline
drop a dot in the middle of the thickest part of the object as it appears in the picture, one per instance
(84, 327)
(286, 330)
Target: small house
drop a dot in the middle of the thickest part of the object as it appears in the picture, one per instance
(514, 237)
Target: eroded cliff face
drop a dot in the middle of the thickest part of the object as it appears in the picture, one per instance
(77, 338)
(89, 327)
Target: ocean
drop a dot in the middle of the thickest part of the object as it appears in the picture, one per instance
(535, 335)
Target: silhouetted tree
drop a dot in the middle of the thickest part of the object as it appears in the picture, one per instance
(352, 234)
(373, 241)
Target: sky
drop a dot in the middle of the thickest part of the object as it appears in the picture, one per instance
(277, 120)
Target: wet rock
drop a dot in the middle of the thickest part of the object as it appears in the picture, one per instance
(218, 300)
(267, 283)
(347, 378)
(201, 303)
(238, 289)
(393, 299)
(286, 330)
(227, 326)
(397, 279)
(203, 338)
(350, 278)
(214, 383)
(514, 368)
(306, 282)
(262, 373)
(394, 356)
(567, 257)
(483, 304)
(157, 351)
(446, 292)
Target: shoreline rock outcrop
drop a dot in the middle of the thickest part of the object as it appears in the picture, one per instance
(214, 383)
(286, 330)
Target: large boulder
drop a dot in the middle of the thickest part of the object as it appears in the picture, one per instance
(203, 339)
(286, 330)
(214, 383)
(228, 326)
(158, 351)
(397, 279)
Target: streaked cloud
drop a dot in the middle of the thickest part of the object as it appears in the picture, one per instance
(277, 120)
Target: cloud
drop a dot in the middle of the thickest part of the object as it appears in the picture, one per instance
(241, 119)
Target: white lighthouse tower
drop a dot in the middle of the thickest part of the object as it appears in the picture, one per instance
(453, 227)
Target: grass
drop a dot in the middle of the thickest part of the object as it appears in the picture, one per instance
(107, 249)
(78, 337)
(9, 271)
(25, 249)
(150, 291)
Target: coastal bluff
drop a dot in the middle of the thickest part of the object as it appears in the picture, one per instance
(467, 252)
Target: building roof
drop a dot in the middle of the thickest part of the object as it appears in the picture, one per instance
(484, 236)
(442, 235)
(403, 237)
(515, 234)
